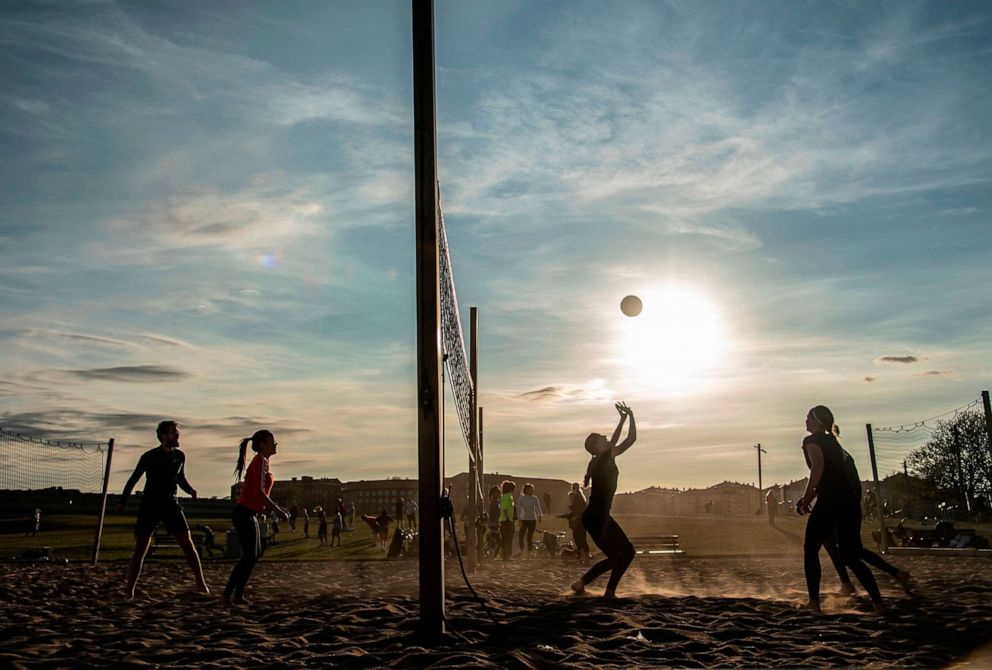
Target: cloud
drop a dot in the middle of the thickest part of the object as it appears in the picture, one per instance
(897, 359)
(592, 391)
(869, 379)
(34, 333)
(935, 373)
(131, 373)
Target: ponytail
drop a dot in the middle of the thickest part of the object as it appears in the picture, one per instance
(239, 469)
(259, 435)
(823, 416)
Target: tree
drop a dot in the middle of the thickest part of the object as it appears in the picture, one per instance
(956, 458)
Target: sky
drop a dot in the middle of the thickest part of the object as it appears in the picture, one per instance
(207, 214)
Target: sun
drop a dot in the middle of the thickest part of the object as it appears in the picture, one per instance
(675, 340)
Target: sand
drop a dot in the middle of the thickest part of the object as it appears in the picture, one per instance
(674, 612)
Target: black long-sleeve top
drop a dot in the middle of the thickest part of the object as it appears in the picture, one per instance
(163, 471)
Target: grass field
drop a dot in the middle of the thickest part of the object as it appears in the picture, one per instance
(704, 535)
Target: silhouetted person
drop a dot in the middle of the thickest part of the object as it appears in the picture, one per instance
(306, 523)
(34, 523)
(337, 523)
(294, 512)
(164, 468)
(208, 538)
(771, 507)
(576, 506)
(605, 531)
(837, 509)
(411, 513)
(322, 525)
(382, 529)
(252, 503)
(871, 558)
(529, 512)
(506, 517)
(547, 502)
(400, 512)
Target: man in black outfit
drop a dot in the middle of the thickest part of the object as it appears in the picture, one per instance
(164, 467)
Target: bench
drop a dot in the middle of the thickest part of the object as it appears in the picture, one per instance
(657, 545)
(168, 541)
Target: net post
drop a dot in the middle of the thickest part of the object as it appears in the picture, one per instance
(103, 502)
(482, 464)
(988, 428)
(430, 456)
(879, 507)
(473, 485)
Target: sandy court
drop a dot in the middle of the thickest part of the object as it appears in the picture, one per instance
(675, 612)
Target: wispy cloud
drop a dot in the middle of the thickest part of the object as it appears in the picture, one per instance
(133, 373)
(907, 359)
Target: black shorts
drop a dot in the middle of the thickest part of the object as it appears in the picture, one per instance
(152, 513)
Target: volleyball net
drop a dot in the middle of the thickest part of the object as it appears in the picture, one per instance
(34, 469)
(939, 467)
(28, 462)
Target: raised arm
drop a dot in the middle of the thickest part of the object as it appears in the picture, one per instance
(619, 428)
(625, 412)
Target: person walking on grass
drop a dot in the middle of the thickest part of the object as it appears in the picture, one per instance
(164, 468)
(411, 513)
(306, 523)
(322, 525)
(529, 512)
(337, 523)
(605, 531)
(837, 510)
(253, 501)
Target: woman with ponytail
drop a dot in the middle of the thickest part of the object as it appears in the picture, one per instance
(605, 531)
(838, 507)
(254, 499)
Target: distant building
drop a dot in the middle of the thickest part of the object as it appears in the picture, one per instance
(371, 496)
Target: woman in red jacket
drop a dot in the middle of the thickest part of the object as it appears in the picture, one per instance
(254, 499)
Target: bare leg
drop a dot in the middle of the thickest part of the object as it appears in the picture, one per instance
(141, 544)
(193, 559)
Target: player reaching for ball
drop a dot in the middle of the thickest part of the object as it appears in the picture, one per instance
(605, 531)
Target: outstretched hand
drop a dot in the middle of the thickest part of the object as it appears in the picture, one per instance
(623, 409)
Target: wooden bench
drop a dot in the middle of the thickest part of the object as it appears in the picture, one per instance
(167, 541)
(657, 545)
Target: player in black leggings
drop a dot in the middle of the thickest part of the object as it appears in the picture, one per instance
(871, 558)
(837, 510)
(605, 531)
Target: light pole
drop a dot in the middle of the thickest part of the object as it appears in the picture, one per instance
(761, 498)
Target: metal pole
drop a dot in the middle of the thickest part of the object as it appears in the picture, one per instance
(962, 489)
(473, 483)
(103, 502)
(761, 498)
(988, 433)
(430, 455)
(879, 508)
(482, 463)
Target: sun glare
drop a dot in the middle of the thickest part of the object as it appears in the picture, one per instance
(677, 337)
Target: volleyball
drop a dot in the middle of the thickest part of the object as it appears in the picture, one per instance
(631, 305)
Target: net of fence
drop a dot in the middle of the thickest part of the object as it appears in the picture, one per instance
(29, 462)
(937, 467)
